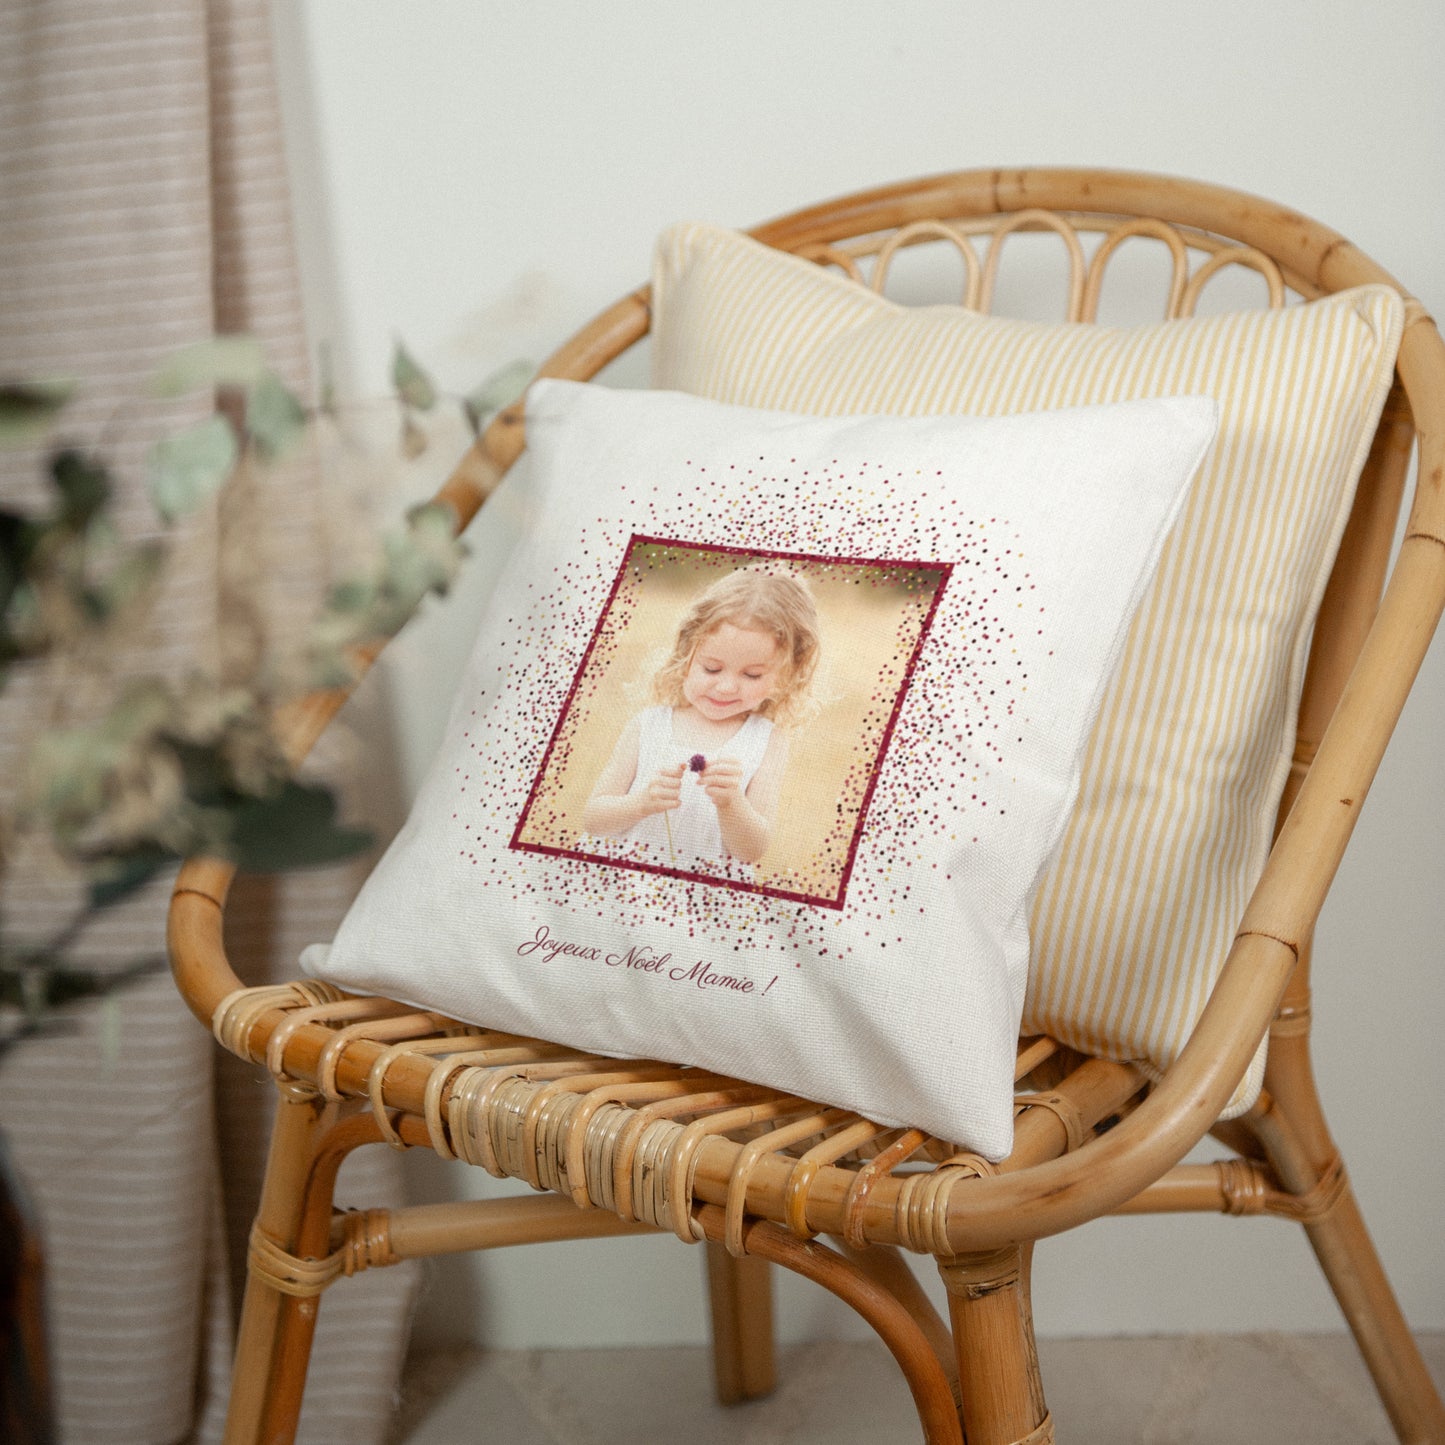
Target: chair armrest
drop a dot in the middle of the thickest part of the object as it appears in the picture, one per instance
(1180, 1110)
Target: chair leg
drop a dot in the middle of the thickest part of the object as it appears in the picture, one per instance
(1347, 1255)
(740, 1294)
(993, 1333)
(886, 1266)
(906, 1341)
(1303, 1153)
(273, 1346)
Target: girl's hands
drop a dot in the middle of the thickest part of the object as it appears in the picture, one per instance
(722, 781)
(664, 792)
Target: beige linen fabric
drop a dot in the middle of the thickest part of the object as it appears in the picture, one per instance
(143, 205)
(1188, 758)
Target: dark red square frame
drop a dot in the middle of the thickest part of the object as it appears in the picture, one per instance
(944, 569)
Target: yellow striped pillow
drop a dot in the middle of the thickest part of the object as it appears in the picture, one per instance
(1186, 764)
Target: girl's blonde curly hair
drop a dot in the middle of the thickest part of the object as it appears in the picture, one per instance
(761, 600)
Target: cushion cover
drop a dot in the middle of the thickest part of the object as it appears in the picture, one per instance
(770, 727)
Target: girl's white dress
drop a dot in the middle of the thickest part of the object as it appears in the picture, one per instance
(694, 824)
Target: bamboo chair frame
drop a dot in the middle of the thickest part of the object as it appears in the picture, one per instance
(621, 1146)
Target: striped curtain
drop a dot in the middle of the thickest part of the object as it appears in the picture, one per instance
(143, 205)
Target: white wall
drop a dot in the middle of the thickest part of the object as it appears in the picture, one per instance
(482, 176)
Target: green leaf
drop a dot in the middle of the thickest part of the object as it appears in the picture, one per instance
(145, 705)
(28, 407)
(354, 595)
(44, 981)
(131, 579)
(413, 438)
(433, 527)
(189, 468)
(220, 361)
(18, 983)
(412, 384)
(329, 668)
(419, 558)
(204, 769)
(119, 877)
(16, 540)
(275, 419)
(83, 484)
(422, 559)
(499, 390)
(295, 828)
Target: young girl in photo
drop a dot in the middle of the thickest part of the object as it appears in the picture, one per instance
(697, 776)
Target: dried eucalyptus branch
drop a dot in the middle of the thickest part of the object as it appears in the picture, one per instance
(168, 767)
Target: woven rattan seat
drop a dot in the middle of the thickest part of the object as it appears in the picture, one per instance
(617, 1146)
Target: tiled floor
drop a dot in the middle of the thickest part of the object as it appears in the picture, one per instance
(1201, 1390)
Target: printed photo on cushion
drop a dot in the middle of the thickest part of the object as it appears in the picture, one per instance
(731, 715)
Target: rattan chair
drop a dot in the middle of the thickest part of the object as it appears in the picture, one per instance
(1093, 1137)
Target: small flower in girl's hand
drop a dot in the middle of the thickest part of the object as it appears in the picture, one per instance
(696, 763)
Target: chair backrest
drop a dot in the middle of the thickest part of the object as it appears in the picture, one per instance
(1212, 240)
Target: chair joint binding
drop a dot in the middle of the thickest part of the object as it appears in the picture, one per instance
(1317, 1203)
(1243, 1186)
(976, 1276)
(238, 1012)
(1291, 1021)
(855, 1203)
(921, 1214)
(1041, 1434)
(365, 1243)
(1076, 1132)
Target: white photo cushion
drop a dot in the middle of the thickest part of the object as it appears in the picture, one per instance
(769, 731)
